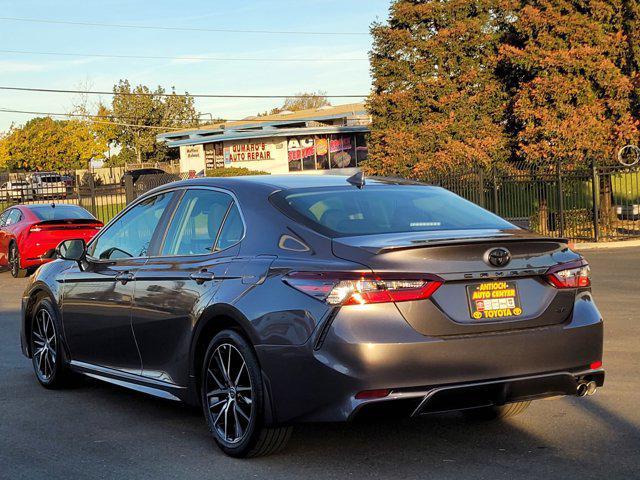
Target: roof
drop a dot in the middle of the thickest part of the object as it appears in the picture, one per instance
(263, 132)
(282, 182)
(303, 122)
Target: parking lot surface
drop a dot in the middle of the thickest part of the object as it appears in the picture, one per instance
(95, 430)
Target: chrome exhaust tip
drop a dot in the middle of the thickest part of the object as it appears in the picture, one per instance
(592, 387)
(582, 389)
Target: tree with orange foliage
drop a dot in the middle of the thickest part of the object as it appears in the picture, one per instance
(567, 70)
(437, 103)
(465, 83)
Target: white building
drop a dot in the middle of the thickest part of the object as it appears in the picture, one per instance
(325, 140)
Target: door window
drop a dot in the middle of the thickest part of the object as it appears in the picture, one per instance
(130, 235)
(196, 222)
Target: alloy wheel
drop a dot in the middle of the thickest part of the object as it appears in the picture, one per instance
(44, 345)
(14, 260)
(229, 394)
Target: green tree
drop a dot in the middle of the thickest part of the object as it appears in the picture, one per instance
(47, 144)
(102, 123)
(301, 101)
(133, 110)
(305, 101)
(436, 101)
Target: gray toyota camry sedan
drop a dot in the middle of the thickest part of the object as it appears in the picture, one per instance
(273, 300)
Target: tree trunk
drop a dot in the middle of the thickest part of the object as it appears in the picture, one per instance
(607, 208)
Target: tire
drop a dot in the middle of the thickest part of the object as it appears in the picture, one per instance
(497, 412)
(14, 262)
(233, 399)
(46, 347)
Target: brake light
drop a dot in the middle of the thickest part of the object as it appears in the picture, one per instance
(354, 288)
(570, 275)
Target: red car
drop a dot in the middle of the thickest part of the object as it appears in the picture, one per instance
(29, 232)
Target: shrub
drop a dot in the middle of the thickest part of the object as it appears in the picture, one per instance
(233, 172)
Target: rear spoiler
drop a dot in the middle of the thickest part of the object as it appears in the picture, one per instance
(466, 241)
(70, 221)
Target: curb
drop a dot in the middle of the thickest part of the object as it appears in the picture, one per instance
(604, 246)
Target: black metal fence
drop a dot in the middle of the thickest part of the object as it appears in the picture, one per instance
(103, 200)
(597, 204)
(600, 203)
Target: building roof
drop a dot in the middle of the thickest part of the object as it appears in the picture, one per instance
(308, 122)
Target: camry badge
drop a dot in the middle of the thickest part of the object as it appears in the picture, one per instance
(498, 257)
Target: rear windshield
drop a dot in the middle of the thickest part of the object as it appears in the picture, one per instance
(379, 209)
(60, 212)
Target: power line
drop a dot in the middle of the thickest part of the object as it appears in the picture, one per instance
(151, 94)
(213, 122)
(180, 29)
(163, 57)
(82, 115)
(159, 127)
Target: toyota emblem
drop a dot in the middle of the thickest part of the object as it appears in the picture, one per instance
(498, 257)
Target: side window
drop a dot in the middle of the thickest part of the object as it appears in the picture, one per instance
(196, 222)
(232, 230)
(14, 217)
(3, 218)
(131, 234)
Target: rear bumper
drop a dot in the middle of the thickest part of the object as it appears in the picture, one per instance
(370, 348)
(422, 401)
(35, 247)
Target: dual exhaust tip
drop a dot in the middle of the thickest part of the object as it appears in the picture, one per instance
(586, 388)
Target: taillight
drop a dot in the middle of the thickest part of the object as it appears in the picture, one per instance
(354, 288)
(570, 275)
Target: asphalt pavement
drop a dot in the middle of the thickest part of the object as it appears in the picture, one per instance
(96, 430)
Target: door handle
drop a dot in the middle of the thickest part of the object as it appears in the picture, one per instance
(202, 276)
(124, 277)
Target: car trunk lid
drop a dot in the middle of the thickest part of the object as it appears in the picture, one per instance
(512, 296)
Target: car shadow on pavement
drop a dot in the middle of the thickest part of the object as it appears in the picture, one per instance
(387, 448)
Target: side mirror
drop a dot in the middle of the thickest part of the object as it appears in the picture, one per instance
(75, 249)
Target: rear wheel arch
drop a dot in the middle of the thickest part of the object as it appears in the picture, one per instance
(212, 321)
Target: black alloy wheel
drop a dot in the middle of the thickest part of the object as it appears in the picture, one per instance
(233, 399)
(46, 349)
(14, 262)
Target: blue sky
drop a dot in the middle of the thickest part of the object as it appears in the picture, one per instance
(195, 76)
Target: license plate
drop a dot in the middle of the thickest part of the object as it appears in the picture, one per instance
(494, 300)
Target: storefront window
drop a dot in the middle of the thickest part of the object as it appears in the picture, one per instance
(325, 152)
(322, 152)
(342, 151)
(362, 148)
